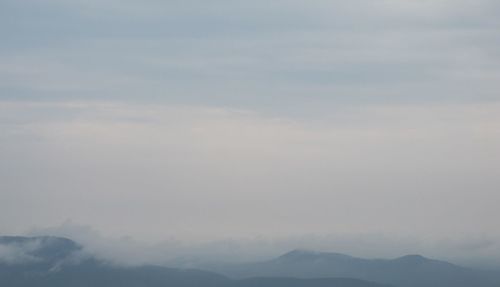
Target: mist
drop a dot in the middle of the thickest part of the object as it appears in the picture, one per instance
(479, 252)
(176, 132)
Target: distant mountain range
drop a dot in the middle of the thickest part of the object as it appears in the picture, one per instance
(60, 262)
(406, 271)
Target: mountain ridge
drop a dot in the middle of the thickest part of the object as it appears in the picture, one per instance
(411, 270)
(55, 261)
(97, 273)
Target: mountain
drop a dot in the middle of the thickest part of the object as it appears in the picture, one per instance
(296, 282)
(57, 262)
(60, 262)
(406, 271)
(42, 249)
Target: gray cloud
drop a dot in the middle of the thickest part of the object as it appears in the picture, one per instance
(19, 253)
(264, 55)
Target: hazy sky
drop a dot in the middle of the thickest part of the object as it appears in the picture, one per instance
(207, 120)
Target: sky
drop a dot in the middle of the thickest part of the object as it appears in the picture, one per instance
(310, 123)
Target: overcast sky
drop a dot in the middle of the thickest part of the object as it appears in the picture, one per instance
(208, 120)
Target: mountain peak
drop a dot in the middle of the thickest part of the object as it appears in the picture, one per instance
(413, 258)
(299, 252)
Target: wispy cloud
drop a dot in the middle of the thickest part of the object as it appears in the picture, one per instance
(19, 253)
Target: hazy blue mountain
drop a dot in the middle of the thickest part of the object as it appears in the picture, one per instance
(297, 282)
(406, 271)
(41, 248)
(51, 262)
(97, 274)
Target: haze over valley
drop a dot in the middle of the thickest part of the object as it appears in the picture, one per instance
(249, 143)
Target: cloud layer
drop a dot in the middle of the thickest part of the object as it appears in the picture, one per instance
(275, 56)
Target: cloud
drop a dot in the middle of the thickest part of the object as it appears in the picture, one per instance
(277, 56)
(17, 253)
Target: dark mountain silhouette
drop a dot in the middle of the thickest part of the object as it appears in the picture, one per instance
(406, 271)
(52, 262)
